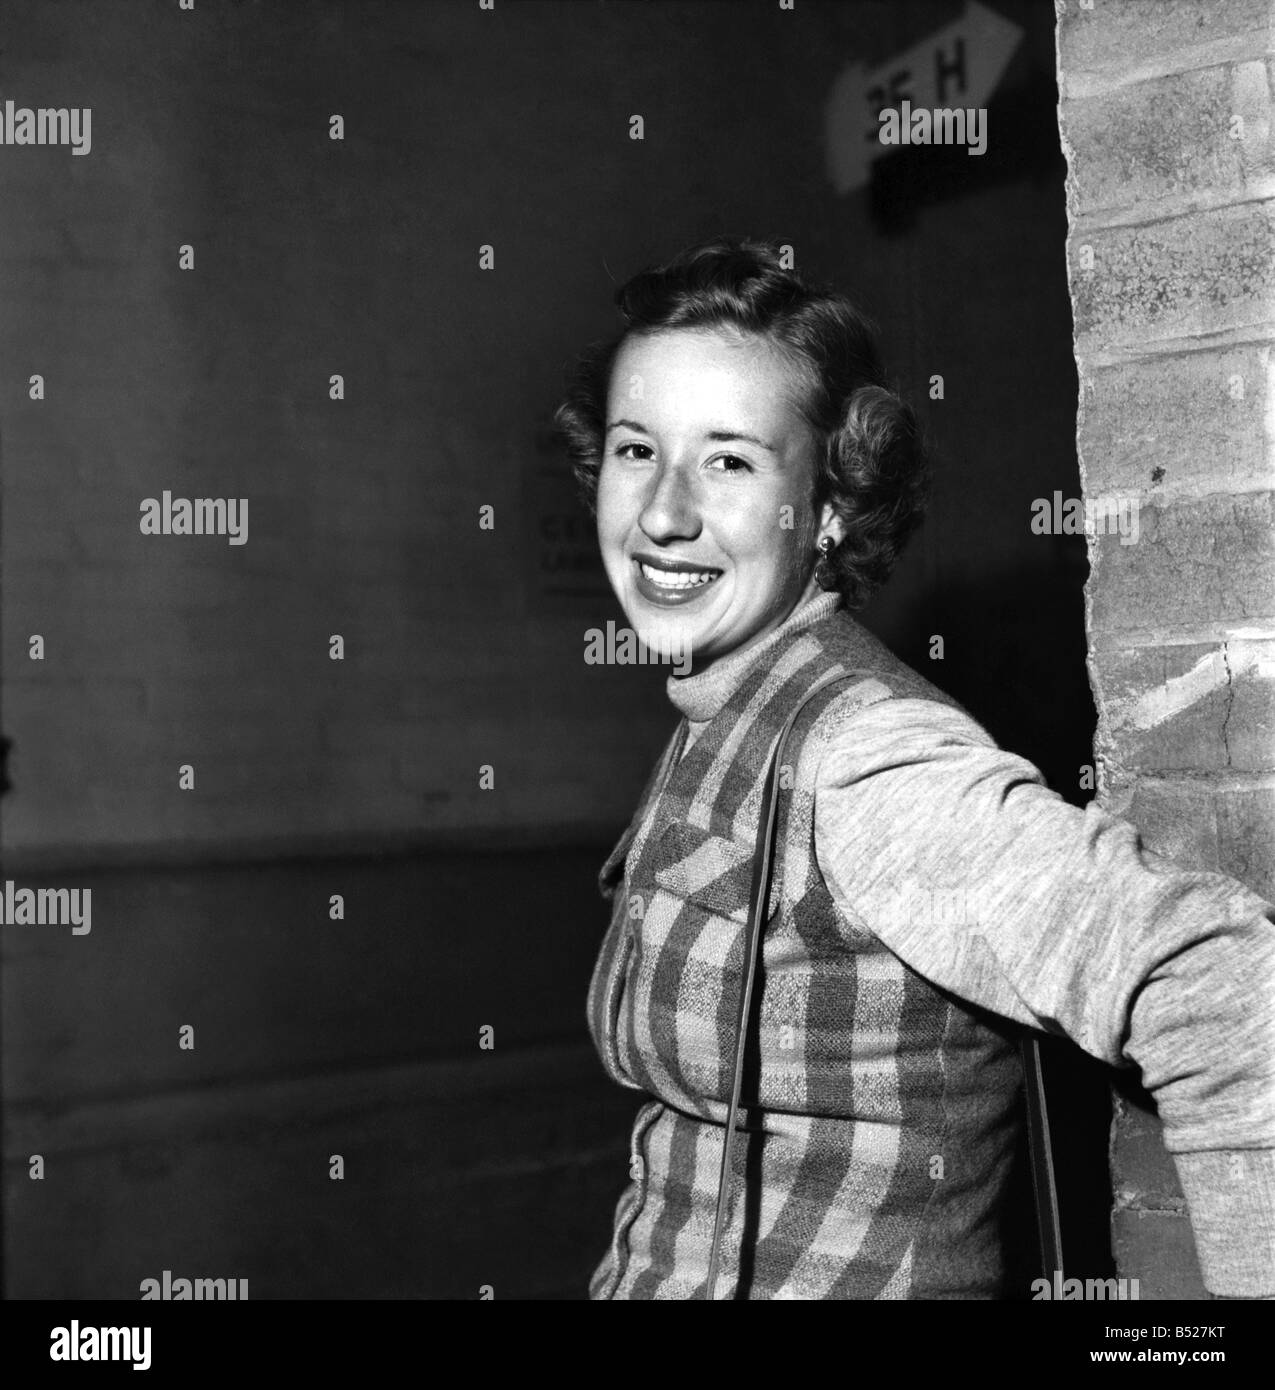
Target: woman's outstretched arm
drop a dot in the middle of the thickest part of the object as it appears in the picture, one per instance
(962, 861)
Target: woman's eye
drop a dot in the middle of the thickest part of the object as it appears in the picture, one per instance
(622, 450)
(732, 463)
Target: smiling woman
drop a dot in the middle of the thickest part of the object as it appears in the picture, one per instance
(732, 430)
(754, 480)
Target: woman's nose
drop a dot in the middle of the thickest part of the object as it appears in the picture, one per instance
(670, 511)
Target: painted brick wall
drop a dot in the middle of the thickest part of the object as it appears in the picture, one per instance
(1165, 110)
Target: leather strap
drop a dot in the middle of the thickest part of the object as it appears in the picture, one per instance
(1040, 1150)
(1043, 1178)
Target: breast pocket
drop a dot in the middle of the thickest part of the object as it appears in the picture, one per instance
(710, 871)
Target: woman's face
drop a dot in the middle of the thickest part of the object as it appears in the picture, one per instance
(705, 519)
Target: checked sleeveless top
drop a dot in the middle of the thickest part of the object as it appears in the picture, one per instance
(882, 1113)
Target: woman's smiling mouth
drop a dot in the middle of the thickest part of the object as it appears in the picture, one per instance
(671, 582)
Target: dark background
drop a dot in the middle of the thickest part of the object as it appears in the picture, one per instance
(464, 908)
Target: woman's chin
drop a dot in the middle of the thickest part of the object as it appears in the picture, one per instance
(663, 628)
(674, 637)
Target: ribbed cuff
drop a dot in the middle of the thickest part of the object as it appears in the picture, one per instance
(1230, 1195)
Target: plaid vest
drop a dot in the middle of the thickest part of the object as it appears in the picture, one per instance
(882, 1114)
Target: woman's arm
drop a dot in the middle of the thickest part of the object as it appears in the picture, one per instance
(960, 859)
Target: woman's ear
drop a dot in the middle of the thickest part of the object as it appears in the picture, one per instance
(830, 524)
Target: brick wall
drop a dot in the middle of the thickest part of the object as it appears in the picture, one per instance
(1165, 112)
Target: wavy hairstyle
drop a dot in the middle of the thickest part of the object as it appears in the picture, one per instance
(871, 464)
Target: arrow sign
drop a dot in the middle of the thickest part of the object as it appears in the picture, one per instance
(959, 66)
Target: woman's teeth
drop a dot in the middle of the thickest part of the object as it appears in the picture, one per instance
(678, 579)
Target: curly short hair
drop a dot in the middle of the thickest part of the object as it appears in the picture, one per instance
(872, 465)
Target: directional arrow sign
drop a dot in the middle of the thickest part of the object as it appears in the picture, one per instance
(959, 66)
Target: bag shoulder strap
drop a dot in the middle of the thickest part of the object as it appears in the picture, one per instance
(1041, 1153)
(1043, 1177)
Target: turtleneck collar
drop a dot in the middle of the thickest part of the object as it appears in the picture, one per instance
(700, 697)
